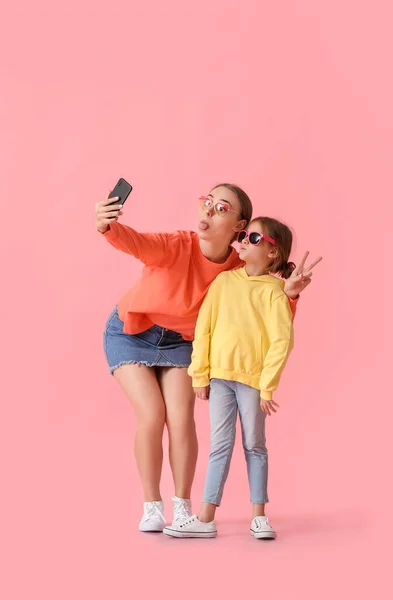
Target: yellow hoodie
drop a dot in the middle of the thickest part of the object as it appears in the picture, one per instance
(244, 332)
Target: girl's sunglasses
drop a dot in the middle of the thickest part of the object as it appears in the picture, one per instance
(220, 208)
(254, 237)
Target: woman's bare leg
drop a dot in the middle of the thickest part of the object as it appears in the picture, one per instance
(140, 385)
(179, 400)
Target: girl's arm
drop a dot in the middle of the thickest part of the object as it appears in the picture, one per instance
(280, 331)
(149, 248)
(199, 369)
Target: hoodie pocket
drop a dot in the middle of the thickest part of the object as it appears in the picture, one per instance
(239, 350)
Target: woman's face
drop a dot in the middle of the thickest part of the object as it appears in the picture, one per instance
(221, 226)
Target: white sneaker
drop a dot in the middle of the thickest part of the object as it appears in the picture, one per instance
(192, 528)
(153, 517)
(261, 529)
(181, 510)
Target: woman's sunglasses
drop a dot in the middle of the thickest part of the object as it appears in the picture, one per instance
(254, 237)
(220, 208)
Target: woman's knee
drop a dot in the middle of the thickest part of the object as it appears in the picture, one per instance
(150, 424)
(182, 429)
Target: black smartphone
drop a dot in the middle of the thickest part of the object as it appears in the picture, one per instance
(122, 190)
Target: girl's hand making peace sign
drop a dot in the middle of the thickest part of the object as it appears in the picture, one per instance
(300, 278)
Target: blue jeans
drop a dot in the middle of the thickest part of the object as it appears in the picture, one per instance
(226, 399)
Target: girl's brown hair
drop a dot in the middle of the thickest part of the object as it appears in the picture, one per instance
(282, 235)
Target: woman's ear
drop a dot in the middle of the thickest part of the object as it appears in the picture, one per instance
(241, 225)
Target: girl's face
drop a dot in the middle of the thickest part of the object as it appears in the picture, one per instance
(261, 255)
(222, 222)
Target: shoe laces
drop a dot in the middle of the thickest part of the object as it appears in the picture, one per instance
(181, 510)
(153, 510)
(263, 520)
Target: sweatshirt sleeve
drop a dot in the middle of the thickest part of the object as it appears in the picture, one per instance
(199, 369)
(293, 305)
(280, 332)
(149, 248)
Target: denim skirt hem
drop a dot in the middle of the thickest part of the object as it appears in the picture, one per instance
(112, 369)
(155, 347)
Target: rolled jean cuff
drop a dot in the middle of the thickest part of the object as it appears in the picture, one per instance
(211, 500)
(259, 500)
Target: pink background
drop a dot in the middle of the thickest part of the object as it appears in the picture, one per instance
(293, 101)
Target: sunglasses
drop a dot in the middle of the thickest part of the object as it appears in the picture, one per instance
(220, 208)
(254, 237)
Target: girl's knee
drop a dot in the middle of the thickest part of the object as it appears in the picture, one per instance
(255, 445)
(221, 447)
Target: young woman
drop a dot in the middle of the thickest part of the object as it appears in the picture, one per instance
(148, 336)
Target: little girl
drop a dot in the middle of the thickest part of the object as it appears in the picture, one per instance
(243, 338)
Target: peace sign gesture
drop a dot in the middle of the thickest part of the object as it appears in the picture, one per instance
(301, 277)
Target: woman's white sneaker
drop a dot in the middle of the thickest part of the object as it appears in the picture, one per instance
(153, 517)
(192, 528)
(261, 529)
(181, 510)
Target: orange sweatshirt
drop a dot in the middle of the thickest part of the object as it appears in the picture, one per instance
(174, 281)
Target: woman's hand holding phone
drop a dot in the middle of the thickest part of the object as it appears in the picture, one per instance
(107, 213)
(110, 209)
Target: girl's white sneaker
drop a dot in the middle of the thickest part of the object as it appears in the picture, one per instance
(261, 529)
(153, 517)
(192, 528)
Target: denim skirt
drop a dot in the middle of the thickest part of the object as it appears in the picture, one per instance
(155, 347)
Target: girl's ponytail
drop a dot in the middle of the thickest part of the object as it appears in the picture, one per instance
(286, 270)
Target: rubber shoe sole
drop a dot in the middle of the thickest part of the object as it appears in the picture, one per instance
(153, 527)
(183, 534)
(263, 535)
